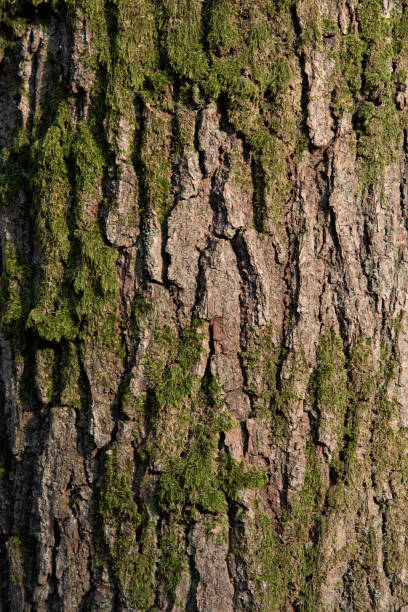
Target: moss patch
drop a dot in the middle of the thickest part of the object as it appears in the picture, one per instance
(132, 557)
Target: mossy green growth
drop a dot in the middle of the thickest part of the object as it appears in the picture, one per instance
(367, 86)
(70, 374)
(390, 469)
(13, 22)
(241, 51)
(135, 37)
(99, 16)
(356, 392)
(273, 396)
(233, 477)
(183, 38)
(22, 549)
(133, 560)
(330, 377)
(173, 558)
(51, 316)
(389, 450)
(156, 163)
(14, 294)
(362, 381)
(330, 393)
(75, 284)
(378, 142)
(250, 66)
(117, 504)
(302, 527)
(202, 477)
(196, 477)
(92, 266)
(131, 405)
(283, 560)
(46, 374)
(261, 363)
(173, 386)
(170, 365)
(14, 165)
(352, 54)
(190, 480)
(263, 551)
(5, 458)
(361, 370)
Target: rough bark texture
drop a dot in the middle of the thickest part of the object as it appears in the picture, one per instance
(203, 292)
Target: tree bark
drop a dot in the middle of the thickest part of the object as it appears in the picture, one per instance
(203, 331)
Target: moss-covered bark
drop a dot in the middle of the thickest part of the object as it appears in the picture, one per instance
(203, 226)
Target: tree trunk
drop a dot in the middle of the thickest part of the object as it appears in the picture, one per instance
(204, 343)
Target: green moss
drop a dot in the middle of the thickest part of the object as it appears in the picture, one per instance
(183, 38)
(135, 37)
(22, 549)
(378, 143)
(185, 122)
(14, 295)
(190, 480)
(14, 165)
(92, 267)
(196, 479)
(51, 315)
(141, 306)
(54, 316)
(132, 406)
(388, 448)
(95, 283)
(361, 370)
(264, 551)
(261, 363)
(233, 477)
(46, 374)
(290, 559)
(70, 391)
(367, 87)
(173, 559)
(242, 173)
(155, 160)
(170, 365)
(117, 503)
(133, 558)
(185, 54)
(351, 58)
(283, 561)
(173, 387)
(330, 392)
(250, 67)
(302, 528)
(201, 479)
(143, 583)
(224, 35)
(14, 18)
(95, 11)
(273, 397)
